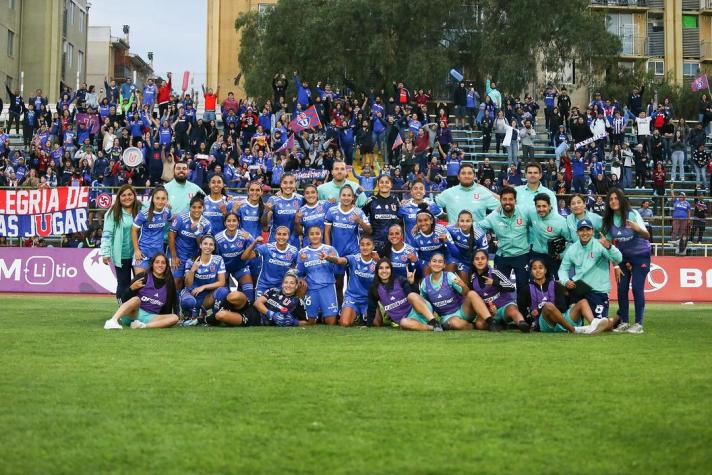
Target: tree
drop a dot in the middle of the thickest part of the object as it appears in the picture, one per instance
(373, 42)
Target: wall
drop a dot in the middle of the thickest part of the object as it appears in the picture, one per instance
(99, 57)
(9, 66)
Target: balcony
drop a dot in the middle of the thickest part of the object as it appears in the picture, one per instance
(633, 46)
(706, 51)
(706, 7)
(620, 5)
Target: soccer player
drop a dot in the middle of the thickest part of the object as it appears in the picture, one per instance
(116, 236)
(312, 213)
(497, 292)
(231, 243)
(149, 300)
(381, 209)
(148, 229)
(249, 212)
(233, 311)
(362, 269)
(455, 304)
(402, 256)
(281, 209)
(511, 226)
(579, 212)
(589, 259)
(401, 302)
(468, 238)
(320, 278)
(409, 209)
(204, 282)
(276, 259)
(281, 305)
(625, 227)
(186, 231)
(467, 195)
(433, 238)
(549, 232)
(216, 204)
(342, 224)
(548, 302)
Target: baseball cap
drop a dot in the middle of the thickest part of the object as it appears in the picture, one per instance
(584, 223)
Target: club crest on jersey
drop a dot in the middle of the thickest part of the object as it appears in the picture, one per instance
(549, 229)
(213, 268)
(519, 221)
(404, 258)
(288, 256)
(590, 254)
(477, 196)
(372, 267)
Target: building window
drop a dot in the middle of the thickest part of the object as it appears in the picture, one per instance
(263, 8)
(70, 12)
(690, 21)
(10, 43)
(690, 69)
(70, 55)
(12, 4)
(656, 67)
(80, 60)
(82, 20)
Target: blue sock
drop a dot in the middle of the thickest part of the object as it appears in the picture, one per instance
(187, 304)
(249, 290)
(219, 295)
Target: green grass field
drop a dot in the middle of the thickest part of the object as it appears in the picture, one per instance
(79, 399)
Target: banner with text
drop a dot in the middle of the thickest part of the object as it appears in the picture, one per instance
(44, 212)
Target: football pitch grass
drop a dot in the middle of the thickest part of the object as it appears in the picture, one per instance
(79, 399)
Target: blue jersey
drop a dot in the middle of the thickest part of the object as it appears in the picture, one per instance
(361, 274)
(428, 244)
(206, 273)
(408, 211)
(187, 234)
(283, 211)
(319, 273)
(150, 241)
(344, 230)
(400, 261)
(275, 263)
(231, 248)
(249, 215)
(462, 242)
(214, 214)
(314, 215)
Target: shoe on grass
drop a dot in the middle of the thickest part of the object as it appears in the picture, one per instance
(112, 324)
(597, 326)
(135, 325)
(622, 328)
(635, 328)
(523, 326)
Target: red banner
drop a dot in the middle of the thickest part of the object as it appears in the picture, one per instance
(677, 279)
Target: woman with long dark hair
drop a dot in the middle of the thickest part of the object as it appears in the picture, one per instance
(204, 282)
(147, 233)
(116, 242)
(626, 228)
(149, 300)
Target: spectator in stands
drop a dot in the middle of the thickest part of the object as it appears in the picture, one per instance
(701, 159)
(699, 217)
(640, 158)
(681, 210)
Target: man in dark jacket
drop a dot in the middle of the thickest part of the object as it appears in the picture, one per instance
(635, 102)
(460, 101)
(16, 107)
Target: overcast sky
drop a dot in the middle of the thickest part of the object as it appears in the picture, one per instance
(175, 30)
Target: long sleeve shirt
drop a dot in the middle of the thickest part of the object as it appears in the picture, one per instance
(590, 264)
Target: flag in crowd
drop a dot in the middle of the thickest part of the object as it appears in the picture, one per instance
(308, 119)
(700, 83)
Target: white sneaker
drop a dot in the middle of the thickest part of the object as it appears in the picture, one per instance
(636, 328)
(135, 325)
(622, 328)
(597, 326)
(112, 324)
(582, 329)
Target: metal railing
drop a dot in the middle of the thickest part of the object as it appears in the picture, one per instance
(620, 3)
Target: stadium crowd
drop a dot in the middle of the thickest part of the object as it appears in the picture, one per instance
(209, 188)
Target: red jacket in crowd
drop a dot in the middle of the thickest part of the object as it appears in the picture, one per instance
(164, 92)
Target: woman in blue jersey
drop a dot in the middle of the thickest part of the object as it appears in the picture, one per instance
(250, 211)
(433, 238)
(277, 258)
(455, 304)
(281, 209)
(204, 282)
(497, 291)
(149, 300)
(549, 303)
(402, 256)
(362, 269)
(400, 299)
(311, 214)
(579, 212)
(186, 231)
(626, 229)
(342, 226)
(468, 238)
(147, 234)
(408, 209)
(231, 243)
(216, 204)
(320, 278)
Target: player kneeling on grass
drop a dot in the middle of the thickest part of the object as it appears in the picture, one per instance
(204, 282)
(149, 300)
(456, 305)
(548, 301)
(590, 260)
(403, 305)
(497, 291)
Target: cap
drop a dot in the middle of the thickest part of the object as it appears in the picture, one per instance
(584, 223)
(682, 193)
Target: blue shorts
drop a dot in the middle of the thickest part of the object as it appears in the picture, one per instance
(142, 264)
(599, 304)
(263, 287)
(239, 273)
(360, 306)
(142, 316)
(198, 298)
(322, 300)
(464, 267)
(179, 272)
(255, 266)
